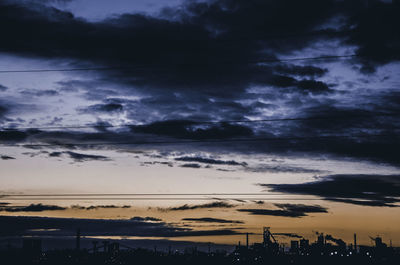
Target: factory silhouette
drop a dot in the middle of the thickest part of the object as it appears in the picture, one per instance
(326, 249)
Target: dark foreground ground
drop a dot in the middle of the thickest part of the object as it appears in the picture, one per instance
(148, 257)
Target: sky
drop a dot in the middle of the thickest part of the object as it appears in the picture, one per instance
(199, 121)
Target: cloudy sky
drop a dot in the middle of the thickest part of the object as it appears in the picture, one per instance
(224, 115)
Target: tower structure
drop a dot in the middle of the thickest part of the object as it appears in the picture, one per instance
(269, 241)
(355, 242)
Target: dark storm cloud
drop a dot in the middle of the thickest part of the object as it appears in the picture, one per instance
(282, 168)
(32, 208)
(52, 1)
(212, 220)
(298, 70)
(218, 204)
(191, 165)
(269, 212)
(184, 38)
(4, 106)
(12, 136)
(203, 48)
(5, 157)
(367, 190)
(314, 130)
(288, 210)
(40, 93)
(374, 33)
(187, 38)
(110, 107)
(3, 110)
(191, 130)
(308, 85)
(78, 157)
(20, 225)
(210, 161)
(373, 130)
(196, 60)
(3, 88)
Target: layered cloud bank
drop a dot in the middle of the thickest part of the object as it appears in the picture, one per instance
(201, 86)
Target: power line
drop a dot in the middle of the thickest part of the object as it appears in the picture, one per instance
(200, 141)
(167, 199)
(206, 122)
(328, 57)
(135, 194)
(152, 196)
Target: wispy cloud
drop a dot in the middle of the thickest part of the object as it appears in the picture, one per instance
(212, 220)
(287, 210)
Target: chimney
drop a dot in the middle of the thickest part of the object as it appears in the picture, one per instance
(355, 242)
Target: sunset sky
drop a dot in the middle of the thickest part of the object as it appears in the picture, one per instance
(196, 120)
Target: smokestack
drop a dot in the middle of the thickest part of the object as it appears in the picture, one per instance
(355, 242)
(78, 239)
(247, 240)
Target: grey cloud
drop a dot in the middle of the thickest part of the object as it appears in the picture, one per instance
(210, 161)
(96, 207)
(307, 70)
(3, 88)
(187, 129)
(159, 163)
(212, 220)
(191, 165)
(269, 212)
(40, 93)
(12, 136)
(288, 210)
(3, 110)
(282, 168)
(145, 219)
(176, 83)
(109, 107)
(5, 157)
(366, 190)
(307, 85)
(302, 208)
(78, 157)
(32, 208)
(24, 226)
(218, 204)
